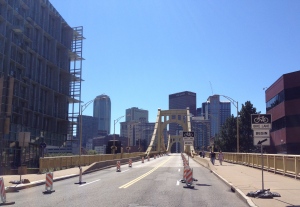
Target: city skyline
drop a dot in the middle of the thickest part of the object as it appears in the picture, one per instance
(140, 52)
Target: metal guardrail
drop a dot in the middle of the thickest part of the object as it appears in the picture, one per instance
(287, 165)
(64, 162)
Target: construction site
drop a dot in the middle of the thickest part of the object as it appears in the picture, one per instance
(40, 82)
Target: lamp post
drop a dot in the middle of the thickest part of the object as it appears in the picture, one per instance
(236, 105)
(82, 108)
(115, 121)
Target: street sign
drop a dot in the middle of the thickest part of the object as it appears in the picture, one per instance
(261, 126)
(261, 121)
(188, 138)
(257, 140)
(261, 133)
(188, 142)
(188, 134)
(43, 145)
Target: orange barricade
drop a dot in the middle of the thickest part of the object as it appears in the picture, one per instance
(130, 163)
(49, 183)
(118, 166)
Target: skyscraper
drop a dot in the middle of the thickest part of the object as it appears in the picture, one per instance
(181, 100)
(37, 56)
(217, 112)
(102, 110)
(136, 114)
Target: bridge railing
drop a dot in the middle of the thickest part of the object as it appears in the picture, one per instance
(63, 162)
(288, 165)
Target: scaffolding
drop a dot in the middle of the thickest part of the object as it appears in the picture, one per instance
(75, 82)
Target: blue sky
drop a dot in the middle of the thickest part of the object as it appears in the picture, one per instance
(140, 51)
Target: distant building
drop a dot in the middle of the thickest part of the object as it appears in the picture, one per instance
(201, 129)
(137, 128)
(217, 112)
(136, 114)
(89, 129)
(283, 103)
(102, 110)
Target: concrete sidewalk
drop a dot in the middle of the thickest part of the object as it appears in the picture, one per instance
(39, 179)
(243, 179)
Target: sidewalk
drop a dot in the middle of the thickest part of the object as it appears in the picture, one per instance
(244, 179)
(39, 179)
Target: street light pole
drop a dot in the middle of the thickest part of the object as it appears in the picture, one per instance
(82, 108)
(236, 104)
(115, 121)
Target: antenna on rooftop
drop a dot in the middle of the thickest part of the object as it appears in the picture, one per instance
(212, 92)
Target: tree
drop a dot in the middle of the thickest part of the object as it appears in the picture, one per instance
(226, 139)
(246, 134)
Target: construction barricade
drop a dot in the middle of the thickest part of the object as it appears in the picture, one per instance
(3, 194)
(49, 183)
(130, 163)
(118, 166)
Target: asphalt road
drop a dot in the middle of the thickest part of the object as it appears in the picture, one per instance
(154, 183)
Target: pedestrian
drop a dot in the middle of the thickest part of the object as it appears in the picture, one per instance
(221, 157)
(203, 153)
(200, 153)
(212, 157)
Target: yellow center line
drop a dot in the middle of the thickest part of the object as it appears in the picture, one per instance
(144, 175)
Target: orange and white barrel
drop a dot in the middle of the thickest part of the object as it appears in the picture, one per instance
(130, 163)
(49, 182)
(2, 191)
(118, 166)
(189, 176)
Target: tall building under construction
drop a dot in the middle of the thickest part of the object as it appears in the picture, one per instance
(40, 81)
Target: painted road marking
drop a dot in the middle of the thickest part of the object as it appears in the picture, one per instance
(144, 175)
(89, 183)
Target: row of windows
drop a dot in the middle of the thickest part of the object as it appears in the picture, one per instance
(284, 95)
(286, 122)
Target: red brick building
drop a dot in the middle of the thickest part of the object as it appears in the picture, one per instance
(283, 103)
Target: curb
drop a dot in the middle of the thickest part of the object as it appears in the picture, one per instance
(12, 189)
(240, 194)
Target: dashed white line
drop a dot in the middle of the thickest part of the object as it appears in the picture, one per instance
(89, 183)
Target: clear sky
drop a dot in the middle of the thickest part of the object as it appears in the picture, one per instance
(139, 51)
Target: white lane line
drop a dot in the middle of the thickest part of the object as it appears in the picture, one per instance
(124, 171)
(178, 170)
(177, 182)
(89, 183)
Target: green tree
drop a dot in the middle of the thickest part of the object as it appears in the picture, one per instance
(246, 134)
(226, 139)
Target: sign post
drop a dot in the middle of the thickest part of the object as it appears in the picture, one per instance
(261, 125)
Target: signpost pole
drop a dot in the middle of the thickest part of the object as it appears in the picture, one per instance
(262, 166)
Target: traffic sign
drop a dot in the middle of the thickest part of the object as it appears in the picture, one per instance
(257, 140)
(261, 121)
(43, 145)
(261, 126)
(188, 134)
(261, 133)
(188, 138)
(188, 142)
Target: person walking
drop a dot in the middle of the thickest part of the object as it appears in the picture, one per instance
(221, 157)
(212, 157)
